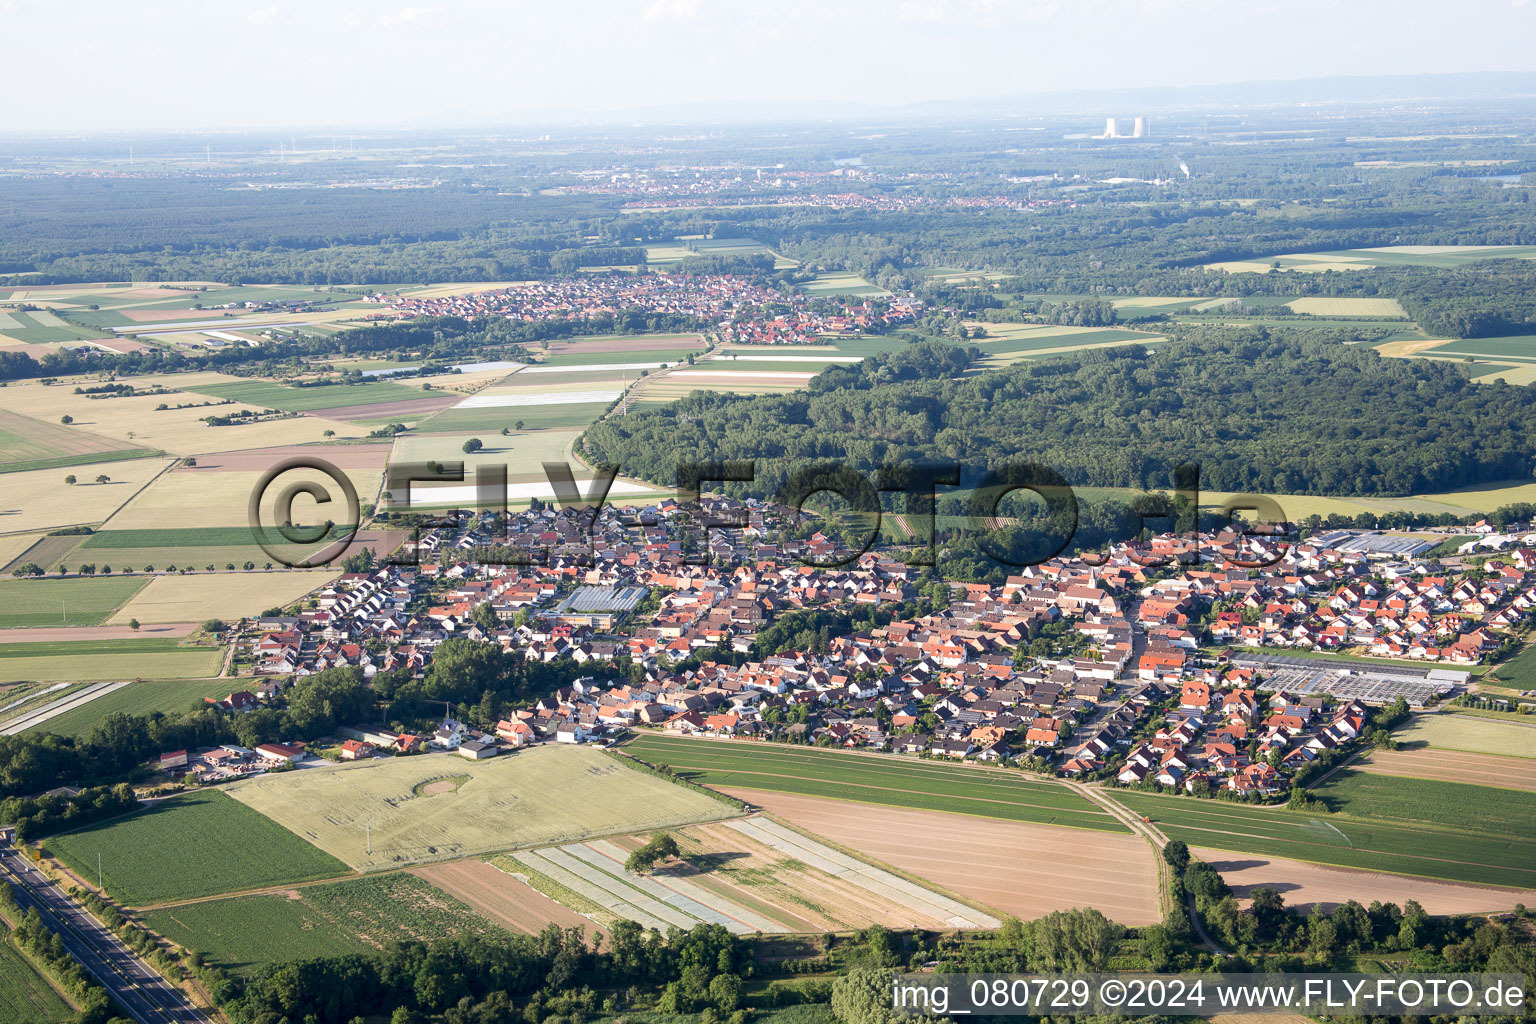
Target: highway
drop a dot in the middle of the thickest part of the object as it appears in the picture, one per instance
(138, 989)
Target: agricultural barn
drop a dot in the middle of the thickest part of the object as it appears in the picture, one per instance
(477, 750)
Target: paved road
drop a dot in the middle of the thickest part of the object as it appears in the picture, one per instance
(148, 998)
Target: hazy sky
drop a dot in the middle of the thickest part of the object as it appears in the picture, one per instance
(84, 64)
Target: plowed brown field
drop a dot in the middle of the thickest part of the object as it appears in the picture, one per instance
(1018, 868)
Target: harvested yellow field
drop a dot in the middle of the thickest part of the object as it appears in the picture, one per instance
(187, 498)
(178, 431)
(14, 544)
(1347, 307)
(1518, 375)
(523, 453)
(1410, 347)
(202, 596)
(540, 797)
(40, 499)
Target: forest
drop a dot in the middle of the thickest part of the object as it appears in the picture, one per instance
(1257, 412)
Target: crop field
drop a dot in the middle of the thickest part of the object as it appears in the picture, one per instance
(358, 915)
(1376, 845)
(1015, 867)
(219, 595)
(28, 443)
(272, 395)
(1468, 733)
(483, 420)
(1523, 374)
(1451, 766)
(1516, 347)
(841, 283)
(72, 602)
(195, 499)
(1135, 305)
(1384, 256)
(1454, 805)
(26, 997)
(72, 660)
(598, 360)
(138, 420)
(1348, 307)
(1519, 672)
(877, 779)
(190, 846)
(531, 798)
(749, 875)
(142, 698)
(499, 896)
(219, 546)
(40, 499)
(523, 453)
(1304, 884)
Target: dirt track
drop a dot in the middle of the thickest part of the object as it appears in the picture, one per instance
(500, 897)
(1303, 884)
(1454, 766)
(1018, 868)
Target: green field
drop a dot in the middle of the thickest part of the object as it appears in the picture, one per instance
(841, 283)
(896, 781)
(1454, 805)
(150, 658)
(1471, 733)
(25, 995)
(168, 696)
(656, 355)
(209, 545)
(271, 395)
(72, 602)
(353, 916)
(1519, 346)
(202, 537)
(534, 417)
(189, 846)
(1519, 672)
(1374, 844)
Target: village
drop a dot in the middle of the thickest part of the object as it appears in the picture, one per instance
(742, 311)
(1144, 665)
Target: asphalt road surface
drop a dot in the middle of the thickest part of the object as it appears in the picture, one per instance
(148, 998)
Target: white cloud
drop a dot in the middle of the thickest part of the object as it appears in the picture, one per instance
(672, 10)
(910, 11)
(407, 16)
(263, 16)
